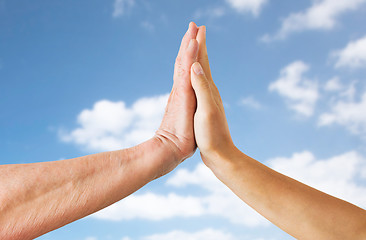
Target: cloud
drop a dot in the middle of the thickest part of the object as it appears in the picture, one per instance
(250, 102)
(321, 15)
(112, 125)
(121, 7)
(352, 56)
(337, 175)
(200, 176)
(218, 201)
(243, 6)
(347, 112)
(333, 85)
(154, 207)
(210, 12)
(300, 93)
(148, 26)
(207, 234)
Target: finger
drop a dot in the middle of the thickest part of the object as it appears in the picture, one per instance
(190, 55)
(182, 68)
(201, 87)
(190, 34)
(183, 64)
(202, 58)
(202, 53)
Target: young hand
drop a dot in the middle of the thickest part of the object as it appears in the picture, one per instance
(210, 124)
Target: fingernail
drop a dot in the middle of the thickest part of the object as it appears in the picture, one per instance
(197, 68)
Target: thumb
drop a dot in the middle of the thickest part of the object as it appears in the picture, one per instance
(201, 86)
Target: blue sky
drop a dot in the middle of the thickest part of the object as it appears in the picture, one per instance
(78, 77)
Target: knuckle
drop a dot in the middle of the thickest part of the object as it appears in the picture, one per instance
(204, 84)
(203, 58)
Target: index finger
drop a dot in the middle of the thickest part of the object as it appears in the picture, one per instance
(190, 34)
(202, 52)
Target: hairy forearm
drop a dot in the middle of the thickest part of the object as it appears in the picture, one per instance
(39, 197)
(298, 209)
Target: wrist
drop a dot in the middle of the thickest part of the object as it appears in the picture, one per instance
(223, 161)
(166, 155)
(161, 154)
(169, 143)
(180, 147)
(150, 159)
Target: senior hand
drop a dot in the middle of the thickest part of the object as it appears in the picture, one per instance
(39, 197)
(176, 130)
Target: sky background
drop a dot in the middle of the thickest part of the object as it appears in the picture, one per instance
(79, 77)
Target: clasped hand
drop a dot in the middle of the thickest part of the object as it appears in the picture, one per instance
(194, 114)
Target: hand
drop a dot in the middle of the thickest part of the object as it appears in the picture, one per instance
(176, 130)
(210, 124)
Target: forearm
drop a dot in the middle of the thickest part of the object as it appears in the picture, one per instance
(298, 209)
(40, 197)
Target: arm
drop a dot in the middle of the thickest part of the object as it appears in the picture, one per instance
(40, 197)
(298, 209)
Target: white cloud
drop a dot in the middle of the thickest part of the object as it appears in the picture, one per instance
(121, 7)
(299, 92)
(207, 234)
(210, 12)
(333, 85)
(218, 201)
(347, 112)
(321, 15)
(91, 238)
(337, 175)
(243, 6)
(353, 55)
(250, 102)
(348, 93)
(153, 207)
(111, 125)
(200, 176)
(148, 26)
